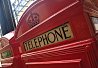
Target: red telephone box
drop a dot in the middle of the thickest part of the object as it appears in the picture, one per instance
(56, 34)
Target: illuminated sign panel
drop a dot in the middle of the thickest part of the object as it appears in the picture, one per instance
(60, 33)
(6, 54)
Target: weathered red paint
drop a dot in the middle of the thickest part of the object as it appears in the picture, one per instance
(80, 51)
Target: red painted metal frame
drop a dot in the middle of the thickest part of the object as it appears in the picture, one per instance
(77, 52)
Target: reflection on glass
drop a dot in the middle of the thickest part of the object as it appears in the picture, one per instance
(95, 22)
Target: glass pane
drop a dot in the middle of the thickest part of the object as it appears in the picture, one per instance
(95, 22)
